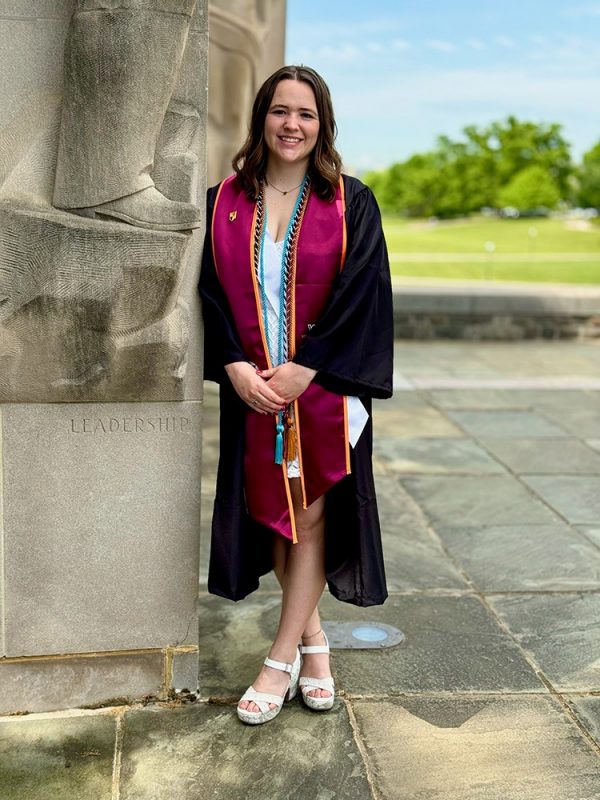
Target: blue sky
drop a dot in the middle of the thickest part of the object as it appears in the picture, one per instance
(401, 73)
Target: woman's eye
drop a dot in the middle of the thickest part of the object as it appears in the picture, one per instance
(308, 115)
(279, 112)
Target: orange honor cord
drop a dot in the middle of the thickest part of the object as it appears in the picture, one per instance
(344, 231)
(290, 502)
(257, 293)
(299, 451)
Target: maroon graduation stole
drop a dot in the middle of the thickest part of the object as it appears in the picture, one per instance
(321, 418)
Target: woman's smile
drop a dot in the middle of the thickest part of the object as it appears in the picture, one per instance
(292, 123)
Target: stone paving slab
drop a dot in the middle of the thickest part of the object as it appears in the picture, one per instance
(234, 639)
(452, 644)
(517, 558)
(203, 752)
(577, 498)
(533, 358)
(505, 423)
(486, 748)
(561, 632)
(57, 758)
(528, 359)
(513, 399)
(433, 456)
(477, 500)
(412, 422)
(545, 456)
(439, 359)
(593, 443)
(582, 422)
(592, 532)
(587, 710)
(414, 558)
(480, 399)
(557, 399)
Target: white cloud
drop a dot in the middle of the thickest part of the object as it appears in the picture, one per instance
(406, 116)
(505, 41)
(400, 44)
(441, 45)
(474, 89)
(476, 44)
(375, 47)
(334, 30)
(345, 52)
(582, 10)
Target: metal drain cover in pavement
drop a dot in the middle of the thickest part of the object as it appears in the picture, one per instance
(361, 635)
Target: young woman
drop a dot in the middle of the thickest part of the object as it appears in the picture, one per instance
(297, 307)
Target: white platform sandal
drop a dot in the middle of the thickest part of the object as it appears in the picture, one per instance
(307, 683)
(262, 699)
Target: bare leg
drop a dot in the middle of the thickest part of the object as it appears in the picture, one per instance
(302, 583)
(314, 664)
(281, 549)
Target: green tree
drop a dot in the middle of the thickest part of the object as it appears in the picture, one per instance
(589, 179)
(411, 187)
(523, 144)
(531, 188)
(460, 177)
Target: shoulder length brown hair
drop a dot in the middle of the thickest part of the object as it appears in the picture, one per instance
(250, 163)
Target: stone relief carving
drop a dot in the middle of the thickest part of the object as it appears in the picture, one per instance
(246, 46)
(121, 68)
(99, 192)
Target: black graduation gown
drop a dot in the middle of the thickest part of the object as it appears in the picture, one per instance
(351, 347)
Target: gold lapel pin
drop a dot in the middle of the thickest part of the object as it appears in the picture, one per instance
(232, 216)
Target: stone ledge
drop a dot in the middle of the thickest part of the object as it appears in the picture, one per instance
(34, 684)
(430, 309)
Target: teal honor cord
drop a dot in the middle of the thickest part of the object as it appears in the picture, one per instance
(278, 351)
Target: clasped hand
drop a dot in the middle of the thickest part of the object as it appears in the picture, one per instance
(270, 390)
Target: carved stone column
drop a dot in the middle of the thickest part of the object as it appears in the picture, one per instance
(103, 114)
(247, 42)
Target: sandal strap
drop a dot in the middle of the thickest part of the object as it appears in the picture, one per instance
(317, 648)
(279, 665)
(317, 683)
(262, 699)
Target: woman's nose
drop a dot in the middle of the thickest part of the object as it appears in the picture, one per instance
(291, 121)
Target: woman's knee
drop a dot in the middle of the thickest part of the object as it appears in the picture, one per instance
(310, 524)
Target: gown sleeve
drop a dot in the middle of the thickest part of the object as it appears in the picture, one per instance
(221, 340)
(351, 345)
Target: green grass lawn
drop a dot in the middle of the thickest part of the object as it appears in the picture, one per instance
(548, 250)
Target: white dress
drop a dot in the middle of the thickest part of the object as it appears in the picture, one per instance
(357, 415)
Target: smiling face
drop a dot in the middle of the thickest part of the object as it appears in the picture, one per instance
(291, 124)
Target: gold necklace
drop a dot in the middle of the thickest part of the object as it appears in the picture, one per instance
(287, 191)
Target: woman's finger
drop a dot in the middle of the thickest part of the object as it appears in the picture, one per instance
(269, 394)
(270, 407)
(264, 405)
(267, 373)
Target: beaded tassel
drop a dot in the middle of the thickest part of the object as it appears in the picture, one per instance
(279, 428)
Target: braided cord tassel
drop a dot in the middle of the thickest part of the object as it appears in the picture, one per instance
(279, 428)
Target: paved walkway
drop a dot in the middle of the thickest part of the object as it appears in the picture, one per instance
(488, 470)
